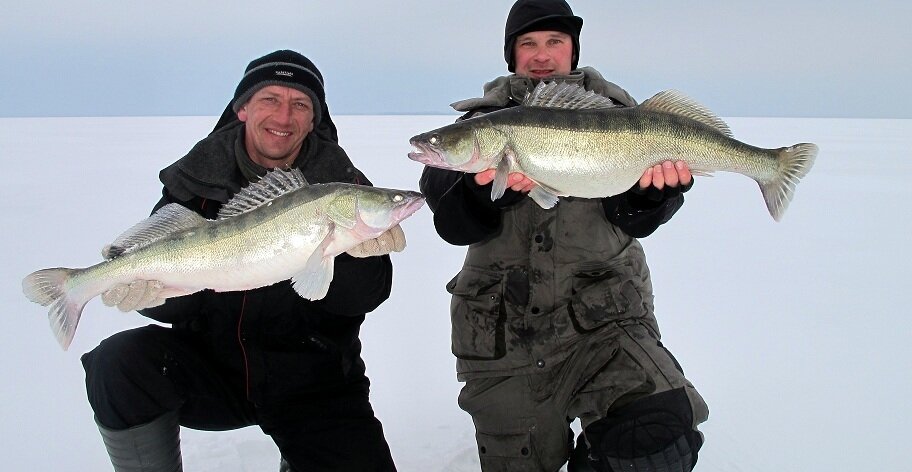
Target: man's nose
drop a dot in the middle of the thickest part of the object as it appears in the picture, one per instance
(541, 55)
(284, 112)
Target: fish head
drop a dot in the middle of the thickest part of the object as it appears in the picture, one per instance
(385, 208)
(454, 147)
(370, 211)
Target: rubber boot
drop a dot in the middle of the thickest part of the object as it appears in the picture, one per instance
(151, 447)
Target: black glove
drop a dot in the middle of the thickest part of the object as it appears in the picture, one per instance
(651, 197)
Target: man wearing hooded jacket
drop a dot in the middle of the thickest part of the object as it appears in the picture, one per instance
(552, 312)
(264, 356)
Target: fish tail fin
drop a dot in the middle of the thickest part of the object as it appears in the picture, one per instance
(47, 287)
(794, 163)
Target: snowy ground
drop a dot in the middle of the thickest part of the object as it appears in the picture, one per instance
(793, 331)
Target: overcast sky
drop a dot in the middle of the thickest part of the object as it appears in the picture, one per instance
(804, 58)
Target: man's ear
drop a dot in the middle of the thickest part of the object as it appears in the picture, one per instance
(242, 113)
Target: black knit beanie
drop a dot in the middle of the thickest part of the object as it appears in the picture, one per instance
(540, 15)
(285, 68)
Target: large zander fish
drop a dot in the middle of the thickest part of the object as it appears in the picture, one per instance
(571, 142)
(278, 228)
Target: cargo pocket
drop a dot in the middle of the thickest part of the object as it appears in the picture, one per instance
(477, 315)
(603, 295)
(506, 451)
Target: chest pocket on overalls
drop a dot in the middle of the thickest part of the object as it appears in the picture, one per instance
(477, 315)
(604, 295)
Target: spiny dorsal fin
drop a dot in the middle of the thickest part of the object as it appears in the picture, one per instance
(676, 103)
(168, 220)
(271, 186)
(566, 96)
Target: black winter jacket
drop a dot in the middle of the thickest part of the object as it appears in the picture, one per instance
(281, 343)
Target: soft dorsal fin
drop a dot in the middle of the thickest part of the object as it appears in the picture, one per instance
(566, 96)
(676, 103)
(271, 186)
(168, 220)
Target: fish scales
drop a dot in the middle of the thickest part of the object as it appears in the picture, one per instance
(558, 146)
(224, 252)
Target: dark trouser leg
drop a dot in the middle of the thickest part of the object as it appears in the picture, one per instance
(329, 432)
(639, 412)
(137, 377)
(652, 434)
(516, 429)
(579, 457)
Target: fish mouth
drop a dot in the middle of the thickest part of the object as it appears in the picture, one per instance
(427, 156)
(416, 201)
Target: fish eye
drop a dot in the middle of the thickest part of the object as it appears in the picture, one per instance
(398, 198)
(435, 139)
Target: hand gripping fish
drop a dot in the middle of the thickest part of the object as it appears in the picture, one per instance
(276, 229)
(572, 142)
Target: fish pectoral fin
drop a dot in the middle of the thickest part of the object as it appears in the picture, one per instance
(546, 197)
(313, 282)
(501, 176)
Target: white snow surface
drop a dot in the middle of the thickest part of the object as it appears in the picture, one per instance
(795, 332)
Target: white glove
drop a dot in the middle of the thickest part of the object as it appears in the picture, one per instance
(138, 295)
(392, 240)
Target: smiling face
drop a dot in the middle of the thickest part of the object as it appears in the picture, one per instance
(542, 54)
(277, 119)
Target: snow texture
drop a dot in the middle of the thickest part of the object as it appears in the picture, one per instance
(794, 332)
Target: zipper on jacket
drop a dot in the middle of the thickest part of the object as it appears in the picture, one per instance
(241, 340)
